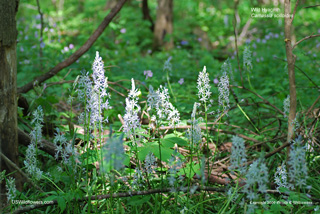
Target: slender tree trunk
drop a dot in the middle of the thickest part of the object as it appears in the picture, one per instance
(8, 89)
(164, 25)
(291, 58)
(146, 13)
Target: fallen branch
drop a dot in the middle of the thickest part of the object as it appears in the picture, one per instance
(76, 55)
(272, 153)
(13, 165)
(304, 73)
(24, 139)
(212, 129)
(305, 38)
(118, 195)
(312, 106)
(266, 101)
(130, 194)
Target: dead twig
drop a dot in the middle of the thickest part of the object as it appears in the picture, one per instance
(76, 55)
(304, 39)
(9, 162)
(266, 101)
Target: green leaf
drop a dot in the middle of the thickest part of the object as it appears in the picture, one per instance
(91, 155)
(139, 200)
(62, 203)
(195, 169)
(154, 148)
(170, 141)
(277, 208)
(51, 198)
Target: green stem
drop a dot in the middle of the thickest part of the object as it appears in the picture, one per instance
(52, 183)
(244, 113)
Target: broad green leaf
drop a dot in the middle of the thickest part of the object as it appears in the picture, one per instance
(154, 148)
(138, 200)
(62, 203)
(190, 170)
(170, 141)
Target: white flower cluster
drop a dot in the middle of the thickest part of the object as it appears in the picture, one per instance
(281, 178)
(256, 179)
(150, 163)
(227, 68)
(95, 93)
(286, 106)
(149, 167)
(36, 133)
(65, 149)
(131, 118)
(175, 164)
(138, 179)
(298, 171)
(247, 59)
(194, 133)
(11, 189)
(203, 86)
(31, 160)
(159, 101)
(238, 155)
(223, 87)
(98, 101)
(167, 65)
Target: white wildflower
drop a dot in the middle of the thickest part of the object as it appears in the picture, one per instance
(11, 189)
(204, 86)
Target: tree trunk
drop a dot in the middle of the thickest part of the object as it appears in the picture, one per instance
(146, 13)
(164, 25)
(291, 58)
(8, 88)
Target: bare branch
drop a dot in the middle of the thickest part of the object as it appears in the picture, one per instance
(9, 162)
(294, 11)
(304, 73)
(305, 38)
(266, 101)
(317, 5)
(312, 106)
(76, 55)
(45, 146)
(118, 195)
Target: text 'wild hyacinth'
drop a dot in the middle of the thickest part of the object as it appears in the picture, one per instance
(204, 85)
